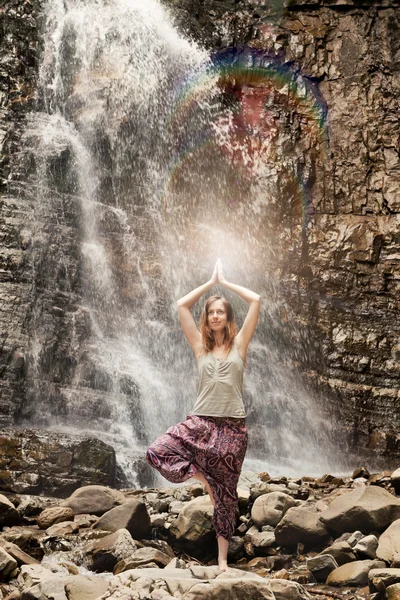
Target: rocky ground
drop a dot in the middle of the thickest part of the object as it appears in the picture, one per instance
(296, 539)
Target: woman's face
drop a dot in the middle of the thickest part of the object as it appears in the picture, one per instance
(216, 316)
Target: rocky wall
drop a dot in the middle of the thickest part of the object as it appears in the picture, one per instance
(342, 283)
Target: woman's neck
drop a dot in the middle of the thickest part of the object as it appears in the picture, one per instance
(219, 340)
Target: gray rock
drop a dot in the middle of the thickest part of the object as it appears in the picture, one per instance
(55, 514)
(140, 558)
(8, 513)
(392, 592)
(193, 528)
(85, 587)
(106, 552)
(7, 564)
(261, 541)
(389, 542)
(288, 590)
(354, 574)
(354, 538)
(367, 509)
(381, 578)
(300, 525)
(268, 509)
(342, 552)
(320, 566)
(132, 515)
(367, 546)
(94, 500)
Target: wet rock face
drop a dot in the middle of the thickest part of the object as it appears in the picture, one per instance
(342, 281)
(54, 464)
(341, 277)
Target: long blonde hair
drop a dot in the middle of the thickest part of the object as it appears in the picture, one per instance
(230, 331)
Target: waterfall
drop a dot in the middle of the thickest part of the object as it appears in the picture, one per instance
(135, 182)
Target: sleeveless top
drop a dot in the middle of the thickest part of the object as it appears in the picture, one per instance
(220, 385)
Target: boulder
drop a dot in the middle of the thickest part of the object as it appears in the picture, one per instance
(259, 489)
(94, 500)
(269, 509)
(85, 587)
(320, 566)
(300, 524)
(392, 592)
(234, 589)
(132, 515)
(367, 509)
(354, 574)
(141, 557)
(7, 565)
(288, 590)
(8, 513)
(389, 543)
(53, 515)
(262, 541)
(342, 552)
(381, 578)
(106, 552)
(19, 555)
(193, 527)
(367, 546)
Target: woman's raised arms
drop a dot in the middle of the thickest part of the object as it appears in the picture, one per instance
(185, 316)
(246, 333)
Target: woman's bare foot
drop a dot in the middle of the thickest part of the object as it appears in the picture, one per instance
(223, 565)
(223, 546)
(200, 477)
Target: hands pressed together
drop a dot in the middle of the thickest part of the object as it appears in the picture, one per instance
(218, 273)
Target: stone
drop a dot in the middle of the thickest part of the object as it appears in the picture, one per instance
(389, 542)
(132, 515)
(106, 552)
(288, 590)
(53, 463)
(354, 574)
(381, 578)
(56, 514)
(19, 555)
(300, 524)
(193, 527)
(141, 557)
(94, 500)
(342, 552)
(7, 564)
(62, 529)
(367, 509)
(320, 566)
(392, 592)
(354, 538)
(85, 588)
(367, 546)
(236, 548)
(268, 509)
(262, 541)
(176, 563)
(8, 513)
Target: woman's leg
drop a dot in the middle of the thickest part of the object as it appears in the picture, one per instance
(223, 546)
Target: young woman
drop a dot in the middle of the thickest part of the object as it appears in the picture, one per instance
(211, 444)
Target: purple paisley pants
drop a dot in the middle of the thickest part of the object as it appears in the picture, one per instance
(216, 447)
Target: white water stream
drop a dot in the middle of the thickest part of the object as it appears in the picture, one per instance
(152, 217)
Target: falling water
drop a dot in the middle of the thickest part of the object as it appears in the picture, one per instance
(143, 194)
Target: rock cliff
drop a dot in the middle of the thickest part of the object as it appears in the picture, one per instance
(337, 259)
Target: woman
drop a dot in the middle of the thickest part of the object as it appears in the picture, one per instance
(211, 444)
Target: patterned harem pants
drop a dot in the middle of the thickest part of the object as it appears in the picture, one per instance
(216, 447)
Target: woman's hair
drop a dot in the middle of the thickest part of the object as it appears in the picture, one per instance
(230, 331)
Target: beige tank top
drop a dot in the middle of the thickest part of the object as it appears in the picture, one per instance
(220, 385)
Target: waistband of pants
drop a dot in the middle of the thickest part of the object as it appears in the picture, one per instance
(221, 420)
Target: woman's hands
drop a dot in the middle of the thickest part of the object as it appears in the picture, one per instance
(218, 274)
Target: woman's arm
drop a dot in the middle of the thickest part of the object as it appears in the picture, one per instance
(246, 333)
(185, 316)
